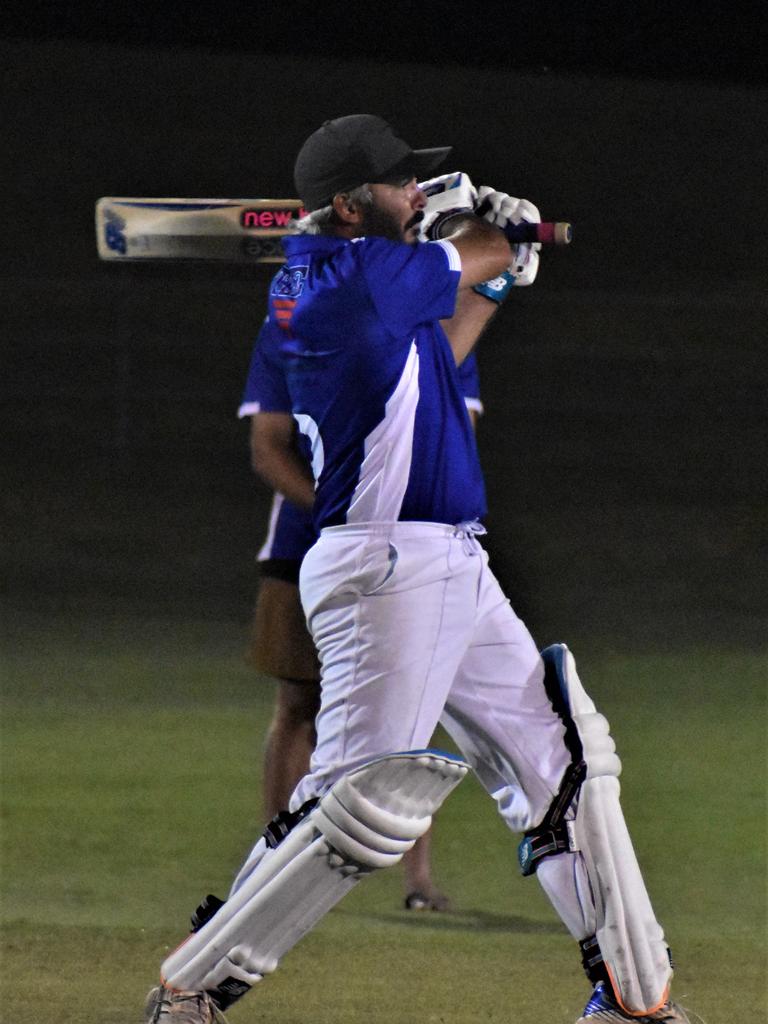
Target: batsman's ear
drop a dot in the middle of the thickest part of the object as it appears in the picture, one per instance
(346, 209)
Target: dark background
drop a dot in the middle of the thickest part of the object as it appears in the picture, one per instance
(625, 428)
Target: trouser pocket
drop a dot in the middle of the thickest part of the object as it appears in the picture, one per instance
(378, 569)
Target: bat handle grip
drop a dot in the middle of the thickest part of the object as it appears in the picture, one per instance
(548, 232)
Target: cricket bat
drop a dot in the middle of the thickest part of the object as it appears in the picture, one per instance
(231, 230)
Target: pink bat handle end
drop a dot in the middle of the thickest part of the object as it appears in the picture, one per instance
(548, 233)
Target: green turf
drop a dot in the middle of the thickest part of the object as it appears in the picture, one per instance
(131, 758)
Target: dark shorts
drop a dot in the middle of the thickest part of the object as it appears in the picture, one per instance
(280, 569)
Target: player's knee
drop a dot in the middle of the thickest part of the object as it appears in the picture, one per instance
(588, 734)
(374, 815)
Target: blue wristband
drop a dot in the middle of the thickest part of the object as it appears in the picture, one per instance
(497, 289)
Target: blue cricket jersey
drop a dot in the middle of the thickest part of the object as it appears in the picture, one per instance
(372, 381)
(291, 533)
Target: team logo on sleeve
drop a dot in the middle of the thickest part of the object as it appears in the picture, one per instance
(287, 286)
(288, 283)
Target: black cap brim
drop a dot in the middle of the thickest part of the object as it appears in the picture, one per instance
(418, 164)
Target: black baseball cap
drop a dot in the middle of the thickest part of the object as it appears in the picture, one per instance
(351, 151)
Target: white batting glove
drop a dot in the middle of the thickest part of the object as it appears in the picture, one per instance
(525, 266)
(447, 196)
(501, 209)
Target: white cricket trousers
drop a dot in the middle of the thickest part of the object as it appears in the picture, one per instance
(413, 629)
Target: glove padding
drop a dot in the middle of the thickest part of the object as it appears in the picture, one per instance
(501, 209)
(447, 196)
(525, 266)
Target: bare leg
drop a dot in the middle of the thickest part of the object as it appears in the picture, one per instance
(289, 743)
(420, 891)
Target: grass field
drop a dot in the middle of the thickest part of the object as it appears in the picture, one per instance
(131, 760)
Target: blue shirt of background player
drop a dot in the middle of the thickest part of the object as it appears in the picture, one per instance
(291, 532)
(372, 379)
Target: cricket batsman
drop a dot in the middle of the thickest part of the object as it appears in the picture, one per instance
(381, 298)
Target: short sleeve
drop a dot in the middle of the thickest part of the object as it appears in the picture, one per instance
(410, 284)
(469, 380)
(265, 387)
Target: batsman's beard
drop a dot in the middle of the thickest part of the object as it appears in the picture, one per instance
(383, 224)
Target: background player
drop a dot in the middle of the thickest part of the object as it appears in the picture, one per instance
(281, 646)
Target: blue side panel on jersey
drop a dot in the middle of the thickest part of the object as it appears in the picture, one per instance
(294, 533)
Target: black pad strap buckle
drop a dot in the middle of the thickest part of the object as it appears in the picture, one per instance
(592, 961)
(205, 911)
(541, 843)
(285, 822)
(552, 835)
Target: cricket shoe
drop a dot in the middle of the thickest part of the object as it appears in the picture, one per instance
(418, 900)
(164, 1006)
(602, 1008)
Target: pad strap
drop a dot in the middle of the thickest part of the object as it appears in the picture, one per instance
(594, 965)
(553, 835)
(282, 823)
(592, 961)
(205, 911)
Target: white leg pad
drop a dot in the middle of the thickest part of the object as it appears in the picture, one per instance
(367, 820)
(630, 938)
